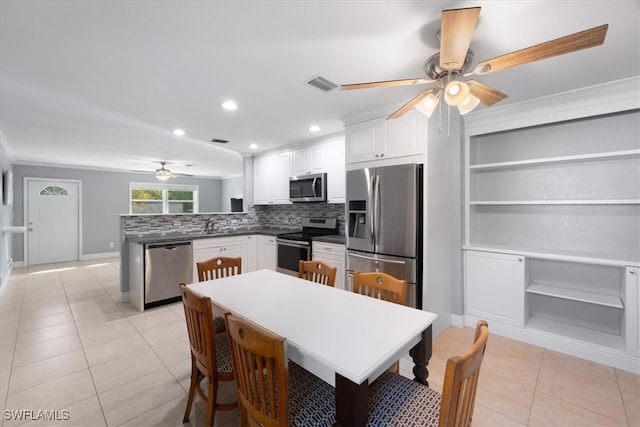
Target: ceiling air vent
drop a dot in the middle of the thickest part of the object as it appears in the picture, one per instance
(321, 83)
(220, 141)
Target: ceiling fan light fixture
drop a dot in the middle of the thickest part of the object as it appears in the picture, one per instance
(163, 175)
(469, 103)
(456, 92)
(428, 104)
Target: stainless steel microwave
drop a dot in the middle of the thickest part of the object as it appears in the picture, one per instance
(308, 188)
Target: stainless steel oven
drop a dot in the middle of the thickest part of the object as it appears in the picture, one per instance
(295, 247)
(290, 252)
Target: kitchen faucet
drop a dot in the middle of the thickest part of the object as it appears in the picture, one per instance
(208, 227)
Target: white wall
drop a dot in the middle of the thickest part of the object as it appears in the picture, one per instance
(231, 187)
(6, 212)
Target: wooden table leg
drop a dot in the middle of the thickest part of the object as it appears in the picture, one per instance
(352, 402)
(421, 354)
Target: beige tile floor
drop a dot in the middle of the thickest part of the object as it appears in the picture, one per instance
(66, 343)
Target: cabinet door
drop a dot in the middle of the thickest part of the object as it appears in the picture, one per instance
(405, 136)
(267, 253)
(362, 141)
(280, 173)
(301, 162)
(262, 180)
(494, 286)
(632, 310)
(336, 176)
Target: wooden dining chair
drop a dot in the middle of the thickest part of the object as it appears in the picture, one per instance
(395, 400)
(317, 271)
(216, 268)
(210, 354)
(380, 285)
(272, 392)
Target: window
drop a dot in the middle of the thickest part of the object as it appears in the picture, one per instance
(54, 190)
(145, 198)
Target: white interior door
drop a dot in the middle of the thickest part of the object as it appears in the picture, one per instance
(53, 221)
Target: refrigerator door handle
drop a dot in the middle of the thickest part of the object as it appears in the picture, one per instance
(376, 211)
(390, 261)
(372, 211)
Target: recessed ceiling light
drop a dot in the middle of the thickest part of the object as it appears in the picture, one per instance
(179, 132)
(229, 105)
(253, 146)
(314, 128)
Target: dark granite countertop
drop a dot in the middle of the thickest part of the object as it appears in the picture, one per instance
(195, 235)
(339, 239)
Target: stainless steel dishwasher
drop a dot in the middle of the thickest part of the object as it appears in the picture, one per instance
(166, 265)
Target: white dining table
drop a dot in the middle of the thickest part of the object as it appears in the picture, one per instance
(344, 338)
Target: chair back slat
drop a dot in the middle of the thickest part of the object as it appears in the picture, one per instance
(217, 268)
(380, 285)
(317, 271)
(260, 364)
(461, 381)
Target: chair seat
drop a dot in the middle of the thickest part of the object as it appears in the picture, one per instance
(395, 400)
(223, 353)
(312, 402)
(218, 325)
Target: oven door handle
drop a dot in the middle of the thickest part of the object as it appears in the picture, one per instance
(293, 243)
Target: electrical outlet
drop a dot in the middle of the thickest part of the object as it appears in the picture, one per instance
(177, 223)
(112, 244)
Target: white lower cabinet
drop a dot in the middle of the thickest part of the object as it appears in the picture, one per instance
(267, 253)
(230, 247)
(632, 308)
(495, 286)
(332, 254)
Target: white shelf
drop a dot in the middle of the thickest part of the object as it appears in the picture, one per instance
(575, 295)
(613, 155)
(586, 258)
(577, 333)
(555, 202)
(14, 229)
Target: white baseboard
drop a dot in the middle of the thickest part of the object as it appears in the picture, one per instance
(124, 297)
(457, 320)
(584, 350)
(100, 255)
(17, 264)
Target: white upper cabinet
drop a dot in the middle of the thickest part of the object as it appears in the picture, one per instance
(310, 160)
(379, 138)
(271, 179)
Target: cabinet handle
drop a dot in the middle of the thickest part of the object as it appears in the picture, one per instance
(519, 259)
(377, 156)
(632, 271)
(382, 155)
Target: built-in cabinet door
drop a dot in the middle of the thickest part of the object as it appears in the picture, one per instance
(230, 247)
(336, 177)
(261, 180)
(362, 141)
(495, 286)
(267, 253)
(271, 179)
(310, 160)
(404, 136)
(632, 310)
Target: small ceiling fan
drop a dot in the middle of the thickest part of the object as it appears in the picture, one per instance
(447, 67)
(163, 173)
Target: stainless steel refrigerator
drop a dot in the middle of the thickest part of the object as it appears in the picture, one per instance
(384, 224)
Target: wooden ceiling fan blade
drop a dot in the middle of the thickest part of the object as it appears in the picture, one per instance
(486, 94)
(387, 83)
(560, 46)
(409, 105)
(457, 27)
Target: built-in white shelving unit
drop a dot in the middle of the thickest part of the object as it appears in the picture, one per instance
(559, 192)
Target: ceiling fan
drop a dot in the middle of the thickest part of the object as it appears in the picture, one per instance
(447, 67)
(163, 173)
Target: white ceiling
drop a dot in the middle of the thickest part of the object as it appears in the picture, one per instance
(101, 84)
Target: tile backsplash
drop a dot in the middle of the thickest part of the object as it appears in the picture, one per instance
(286, 217)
